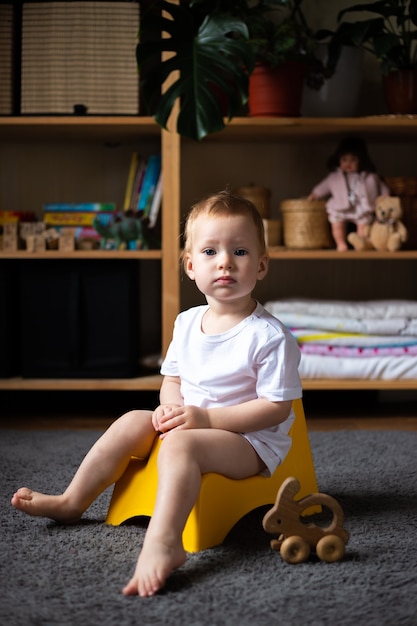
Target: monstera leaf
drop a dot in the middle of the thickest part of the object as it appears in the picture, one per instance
(210, 59)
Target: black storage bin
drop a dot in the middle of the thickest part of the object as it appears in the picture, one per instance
(79, 319)
(9, 323)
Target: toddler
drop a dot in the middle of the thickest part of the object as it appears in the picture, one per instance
(229, 377)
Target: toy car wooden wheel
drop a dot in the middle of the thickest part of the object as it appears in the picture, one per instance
(330, 548)
(295, 550)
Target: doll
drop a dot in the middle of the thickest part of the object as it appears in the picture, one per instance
(351, 188)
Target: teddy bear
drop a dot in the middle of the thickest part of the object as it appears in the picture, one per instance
(387, 232)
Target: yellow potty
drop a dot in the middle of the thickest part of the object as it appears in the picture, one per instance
(222, 501)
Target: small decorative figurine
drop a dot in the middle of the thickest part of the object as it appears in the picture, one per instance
(124, 230)
(298, 538)
(352, 188)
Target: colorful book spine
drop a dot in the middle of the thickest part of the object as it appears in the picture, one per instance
(156, 203)
(150, 180)
(76, 218)
(130, 181)
(82, 207)
(140, 172)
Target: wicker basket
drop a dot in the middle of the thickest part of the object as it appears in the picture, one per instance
(259, 196)
(402, 185)
(305, 224)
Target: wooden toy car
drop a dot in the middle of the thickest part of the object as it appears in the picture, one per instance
(298, 538)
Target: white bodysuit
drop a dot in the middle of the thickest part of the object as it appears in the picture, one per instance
(256, 358)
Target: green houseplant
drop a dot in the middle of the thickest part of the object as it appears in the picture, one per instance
(213, 46)
(389, 32)
(285, 53)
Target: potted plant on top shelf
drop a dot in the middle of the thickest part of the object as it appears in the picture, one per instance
(285, 53)
(212, 48)
(392, 38)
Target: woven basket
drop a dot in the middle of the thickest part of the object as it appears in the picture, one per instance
(259, 196)
(402, 185)
(305, 224)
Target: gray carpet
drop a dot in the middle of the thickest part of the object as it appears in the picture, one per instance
(56, 575)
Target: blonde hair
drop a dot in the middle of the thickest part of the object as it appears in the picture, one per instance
(224, 204)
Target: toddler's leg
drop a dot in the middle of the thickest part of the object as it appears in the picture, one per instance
(184, 456)
(131, 434)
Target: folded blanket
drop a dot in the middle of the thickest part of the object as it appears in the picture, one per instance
(369, 309)
(348, 351)
(325, 343)
(314, 366)
(380, 317)
(344, 339)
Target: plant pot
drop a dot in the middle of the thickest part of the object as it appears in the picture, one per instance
(400, 91)
(339, 95)
(276, 91)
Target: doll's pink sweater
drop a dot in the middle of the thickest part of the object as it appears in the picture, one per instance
(337, 205)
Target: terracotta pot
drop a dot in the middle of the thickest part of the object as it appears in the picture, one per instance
(276, 91)
(400, 91)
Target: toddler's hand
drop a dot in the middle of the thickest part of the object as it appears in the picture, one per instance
(159, 414)
(183, 417)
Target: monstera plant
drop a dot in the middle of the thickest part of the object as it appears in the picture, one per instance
(209, 49)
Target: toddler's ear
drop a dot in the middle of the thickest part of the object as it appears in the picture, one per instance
(263, 267)
(188, 266)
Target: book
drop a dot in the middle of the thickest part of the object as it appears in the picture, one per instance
(76, 218)
(130, 181)
(81, 207)
(16, 216)
(156, 203)
(139, 174)
(150, 180)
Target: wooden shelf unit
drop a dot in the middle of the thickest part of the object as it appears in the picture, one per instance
(113, 130)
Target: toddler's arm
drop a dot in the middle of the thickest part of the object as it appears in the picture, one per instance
(246, 417)
(170, 398)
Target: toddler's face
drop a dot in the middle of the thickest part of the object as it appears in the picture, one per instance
(225, 260)
(349, 163)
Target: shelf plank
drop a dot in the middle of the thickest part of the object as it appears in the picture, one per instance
(274, 253)
(349, 255)
(142, 383)
(29, 127)
(153, 383)
(53, 255)
(357, 384)
(66, 127)
(270, 128)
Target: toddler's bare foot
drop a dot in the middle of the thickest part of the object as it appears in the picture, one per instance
(39, 504)
(155, 563)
